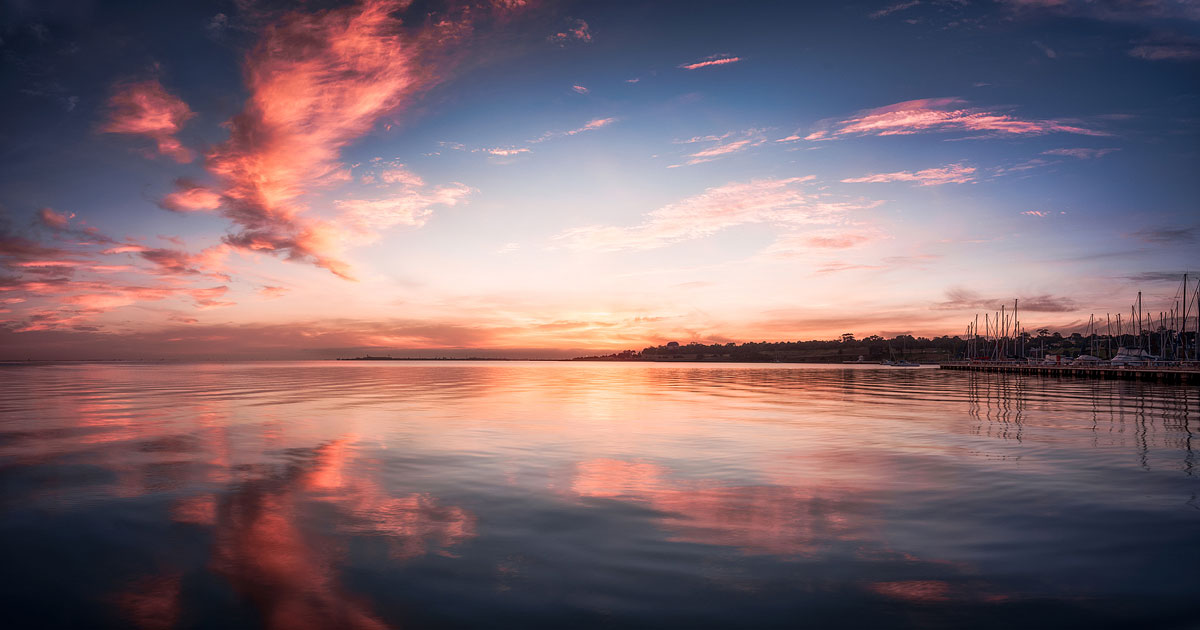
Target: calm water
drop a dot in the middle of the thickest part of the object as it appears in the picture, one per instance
(373, 495)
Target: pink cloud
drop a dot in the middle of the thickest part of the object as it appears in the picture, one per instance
(55, 220)
(1036, 213)
(580, 89)
(190, 196)
(145, 108)
(401, 175)
(940, 115)
(579, 31)
(714, 60)
(271, 293)
(777, 201)
(952, 174)
(317, 82)
(210, 298)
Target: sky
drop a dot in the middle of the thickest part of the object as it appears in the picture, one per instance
(259, 179)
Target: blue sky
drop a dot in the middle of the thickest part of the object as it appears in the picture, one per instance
(523, 176)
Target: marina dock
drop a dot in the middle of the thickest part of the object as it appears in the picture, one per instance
(1176, 373)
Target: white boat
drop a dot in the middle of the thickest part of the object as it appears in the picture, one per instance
(905, 363)
(1085, 360)
(1131, 357)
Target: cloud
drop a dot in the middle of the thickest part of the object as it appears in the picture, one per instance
(316, 82)
(503, 152)
(888, 10)
(578, 31)
(1173, 48)
(400, 175)
(591, 125)
(271, 293)
(54, 220)
(940, 115)
(777, 201)
(190, 196)
(1046, 50)
(1112, 10)
(1156, 276)
(951, 174)
(145, 108)
(1083, 154)
(413, 207)
(210, 298)
(1165, 235)
(1036, 213)
(723, 147)
(580, 89)
(959, 298)
(710, 61)
(176, 262)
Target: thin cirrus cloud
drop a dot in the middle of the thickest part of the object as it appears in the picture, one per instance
(952, 174)
(942, 115)
(722, 146)
(1083, 154)
(145, 108)
(710, 61)
(894, 8)
(579, 89)
(784, 202)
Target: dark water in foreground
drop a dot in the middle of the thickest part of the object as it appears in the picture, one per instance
(351, 495)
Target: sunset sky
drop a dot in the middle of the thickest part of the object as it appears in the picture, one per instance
(262, 179)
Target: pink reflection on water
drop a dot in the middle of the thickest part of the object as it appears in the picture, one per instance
(762, 519)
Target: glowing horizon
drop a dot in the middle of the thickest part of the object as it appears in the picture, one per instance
(533, 179)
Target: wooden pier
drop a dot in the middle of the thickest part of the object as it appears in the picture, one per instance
(1185, 374)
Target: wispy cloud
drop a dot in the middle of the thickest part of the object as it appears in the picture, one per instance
(723, 145)
(54, 220)
(888, 10)
(1175, 48)
(951, 174)
(578, 31)
(710, 61)
(959, 298)
(580, 89)
(1165, 235)
(778, 201)
(1046, 50)
(1083, 154)
(942, 115)
(1112, 10)
(412, 207)
(145, 108)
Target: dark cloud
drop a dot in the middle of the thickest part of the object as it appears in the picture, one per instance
(1165, 235)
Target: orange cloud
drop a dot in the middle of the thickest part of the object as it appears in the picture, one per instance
(145, 108)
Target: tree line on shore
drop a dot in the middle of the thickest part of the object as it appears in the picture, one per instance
(871, 348)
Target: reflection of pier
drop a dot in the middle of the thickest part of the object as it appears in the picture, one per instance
(1166, 374)
(1155, 419)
